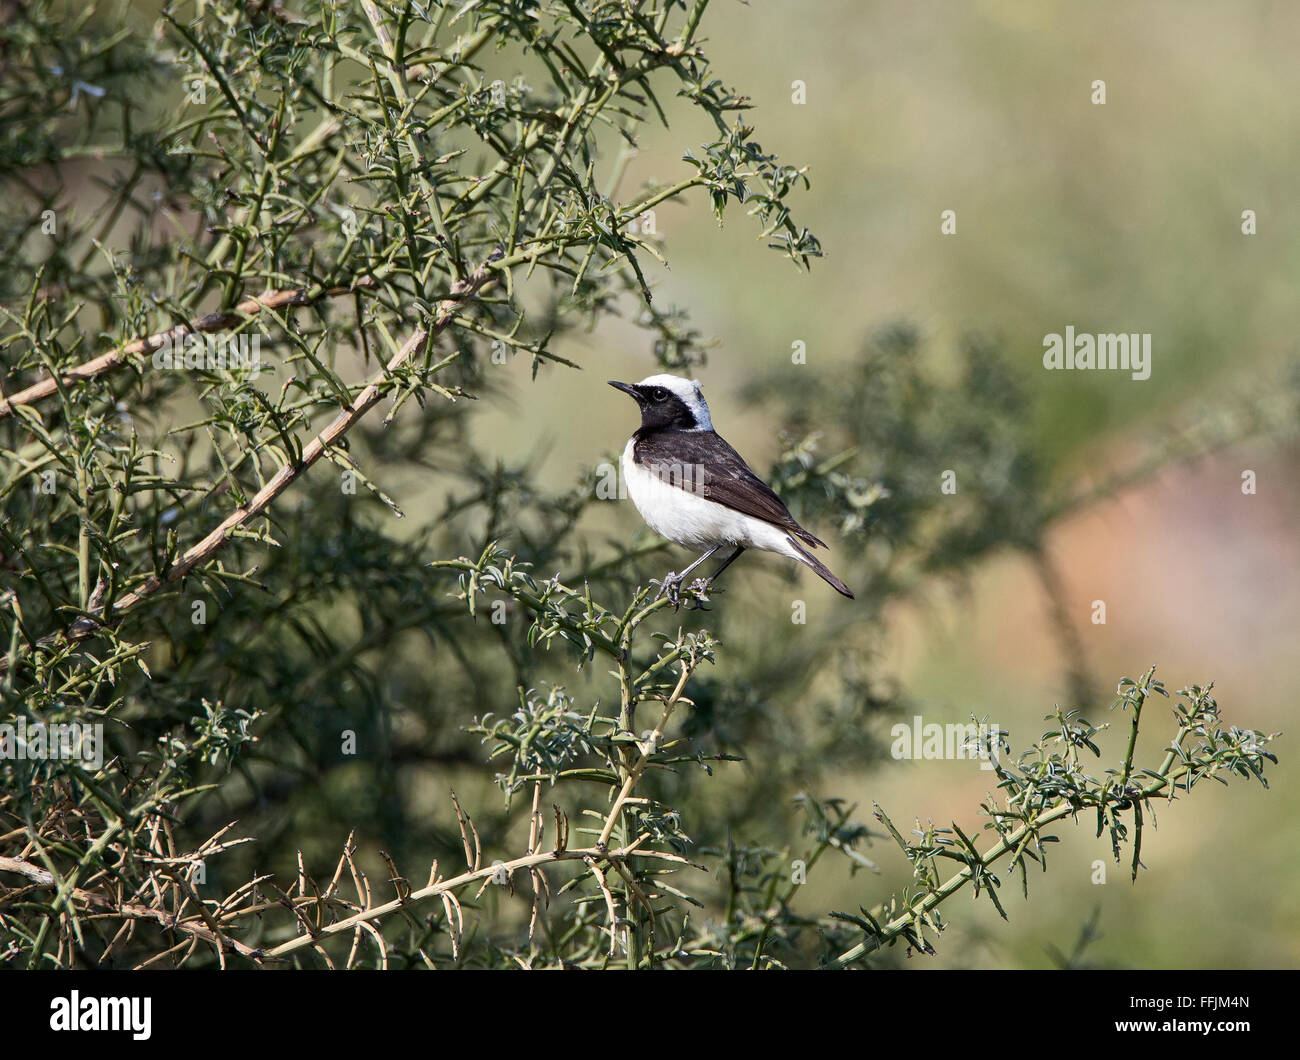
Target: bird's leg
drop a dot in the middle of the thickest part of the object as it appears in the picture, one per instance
(671, 585)
(702, 585)
(725, 564)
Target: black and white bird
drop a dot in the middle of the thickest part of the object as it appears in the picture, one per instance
(691, 487)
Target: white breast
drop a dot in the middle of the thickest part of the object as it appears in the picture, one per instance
(696, 522)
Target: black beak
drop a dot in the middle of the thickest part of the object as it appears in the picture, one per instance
(627, 388)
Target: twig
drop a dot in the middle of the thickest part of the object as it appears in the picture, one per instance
(445, 887)
(194, 926)
(634, 774)
(297, 296)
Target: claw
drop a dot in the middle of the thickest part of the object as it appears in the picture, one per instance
(700, 589)
(671, 587)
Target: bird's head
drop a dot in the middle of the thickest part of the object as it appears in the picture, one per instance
(669, 401)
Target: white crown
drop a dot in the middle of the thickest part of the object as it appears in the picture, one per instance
(689, 391)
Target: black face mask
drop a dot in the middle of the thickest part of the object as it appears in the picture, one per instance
(661, 409)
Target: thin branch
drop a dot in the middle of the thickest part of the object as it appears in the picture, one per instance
(194, 926)
(298, 296)
(445, 887)
(634, 774)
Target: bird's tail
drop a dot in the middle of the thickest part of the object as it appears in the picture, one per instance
(820, 569)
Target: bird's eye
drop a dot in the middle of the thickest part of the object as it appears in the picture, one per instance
(659, 394)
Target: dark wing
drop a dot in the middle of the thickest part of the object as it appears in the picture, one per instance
(701, 462)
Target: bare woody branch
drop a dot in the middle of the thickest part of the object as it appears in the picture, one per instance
(105, 362)
(195, 927)
(592, 855)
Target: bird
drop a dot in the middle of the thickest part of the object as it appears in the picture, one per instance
(694, 489)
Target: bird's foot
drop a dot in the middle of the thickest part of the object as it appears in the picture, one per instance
(700, 589)
(671, 587)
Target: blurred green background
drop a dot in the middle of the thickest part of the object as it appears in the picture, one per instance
(1117, 217)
